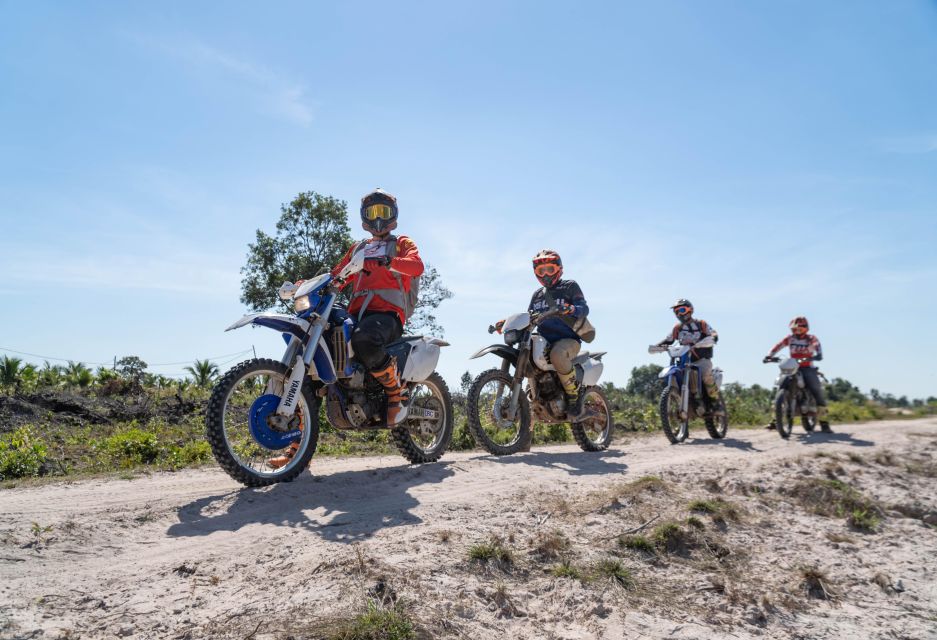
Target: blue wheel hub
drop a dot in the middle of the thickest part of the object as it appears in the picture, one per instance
(267, 437)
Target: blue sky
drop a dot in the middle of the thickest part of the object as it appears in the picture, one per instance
(763, 159)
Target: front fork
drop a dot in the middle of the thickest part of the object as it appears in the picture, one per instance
(517, 383)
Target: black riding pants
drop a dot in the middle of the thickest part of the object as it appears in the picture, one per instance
(812, 382)
(374, 332)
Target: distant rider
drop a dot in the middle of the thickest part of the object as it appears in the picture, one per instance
(689, 331)
(805, 348)
(566, 297)
(380, 299)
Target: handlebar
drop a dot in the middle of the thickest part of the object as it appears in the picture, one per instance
(492, 328)
(768, 359)
(546, 315)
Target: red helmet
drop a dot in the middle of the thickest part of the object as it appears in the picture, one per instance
(548, 267)
(799, 325)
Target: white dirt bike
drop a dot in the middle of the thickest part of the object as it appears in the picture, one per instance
(263, 408)
(792, 398)
(499, 408)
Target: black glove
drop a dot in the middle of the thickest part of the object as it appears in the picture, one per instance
(382, 261)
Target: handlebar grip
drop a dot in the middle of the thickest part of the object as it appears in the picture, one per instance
(491, 328)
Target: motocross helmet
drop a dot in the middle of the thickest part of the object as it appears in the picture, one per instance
(548, 267)
(379, 212)
(683, 309)
(799, 326)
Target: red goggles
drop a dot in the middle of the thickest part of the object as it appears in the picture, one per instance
(546, 269)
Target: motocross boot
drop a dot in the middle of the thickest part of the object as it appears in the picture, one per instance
(821, 417)
(573, 396)
(396, 393)
(283, 460)
(713, 401)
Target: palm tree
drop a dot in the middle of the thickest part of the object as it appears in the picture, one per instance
(76, 373)
(10, 371)
(203, 372)
(50, 375)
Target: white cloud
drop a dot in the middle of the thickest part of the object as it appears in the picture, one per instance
(276, 93)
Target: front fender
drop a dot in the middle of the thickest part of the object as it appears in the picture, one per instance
(501, 350)
(277, 321)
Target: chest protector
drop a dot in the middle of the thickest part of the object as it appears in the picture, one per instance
(398, 297)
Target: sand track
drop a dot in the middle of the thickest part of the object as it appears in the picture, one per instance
(170, 555)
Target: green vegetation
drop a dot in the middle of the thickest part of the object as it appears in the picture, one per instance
(717, 507)
(21, 454)
(613, 570)
(637, 543)
(835, 498)
(376, 623)
(493, 551)
(566, 569)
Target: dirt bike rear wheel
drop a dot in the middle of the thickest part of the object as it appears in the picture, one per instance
(595, 432)
(487, 397)
(674, 428)
(783, 416)
(420, 439)
(233, 437)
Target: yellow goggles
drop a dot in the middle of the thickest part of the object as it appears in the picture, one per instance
(381, 211)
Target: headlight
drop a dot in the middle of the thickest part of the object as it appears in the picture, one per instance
(301, 304)
(512, 337)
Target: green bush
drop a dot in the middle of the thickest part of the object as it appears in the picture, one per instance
(462, 439)
(21, 454)
(191, 453)
(131, 447)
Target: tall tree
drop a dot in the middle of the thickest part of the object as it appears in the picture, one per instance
(10, 371)
(644, 381)
(311, 237)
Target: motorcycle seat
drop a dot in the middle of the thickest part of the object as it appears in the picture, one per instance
(585, 355)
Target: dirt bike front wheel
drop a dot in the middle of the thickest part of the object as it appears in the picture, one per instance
(488, 403)
(239, 424)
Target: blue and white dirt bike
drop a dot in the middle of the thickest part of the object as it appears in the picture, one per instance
(683, 398)
(263, 408)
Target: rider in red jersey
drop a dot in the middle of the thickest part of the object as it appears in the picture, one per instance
(805, 348)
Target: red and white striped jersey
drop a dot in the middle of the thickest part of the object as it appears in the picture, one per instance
(806, 346)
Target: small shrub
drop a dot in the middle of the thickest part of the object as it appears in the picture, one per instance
(21, 454)
(462, 439)
(671, 538)
(377, 623)
(695, 522)
(131, 447)
(835, 498)
(816, 584)
(190, 454)
(637, 543)
(717, 507)
(566, 569)
(492, 551)
(614, 571)
(864, 520)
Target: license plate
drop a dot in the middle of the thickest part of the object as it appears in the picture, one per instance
(417, 412)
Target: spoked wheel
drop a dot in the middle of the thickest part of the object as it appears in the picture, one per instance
(242, 430)
(427, 430)
(675, 428)
(488, 403)
(783, 415)
(718, 426)
(594, 433)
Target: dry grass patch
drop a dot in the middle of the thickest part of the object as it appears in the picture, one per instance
(612, 570)
(376, 622)
(839, 538)
(816, 584)
(637, 543)
(717, 507)
(550, 545)
(492, 553)
(835, 498)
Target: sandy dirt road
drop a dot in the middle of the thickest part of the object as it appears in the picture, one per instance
(193, 554)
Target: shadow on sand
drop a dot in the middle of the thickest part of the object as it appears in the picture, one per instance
(575, 463)
(838, 437)
(731, 443)
(343, 507)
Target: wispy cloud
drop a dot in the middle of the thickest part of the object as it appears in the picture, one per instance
(275, 92)
(912, 144)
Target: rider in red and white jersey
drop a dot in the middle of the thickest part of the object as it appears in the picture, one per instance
(805, 348)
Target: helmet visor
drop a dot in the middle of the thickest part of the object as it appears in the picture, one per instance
(546, 270)
(378, 212)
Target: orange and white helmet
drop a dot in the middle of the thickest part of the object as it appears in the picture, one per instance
(799, 326)
(548, 267)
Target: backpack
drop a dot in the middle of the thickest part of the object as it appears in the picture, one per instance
(400, 297)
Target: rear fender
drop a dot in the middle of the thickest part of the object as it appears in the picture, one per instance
(500, 350)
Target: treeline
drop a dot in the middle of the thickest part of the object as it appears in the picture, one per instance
(67, 420)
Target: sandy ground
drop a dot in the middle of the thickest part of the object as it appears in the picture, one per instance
(192, 554)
